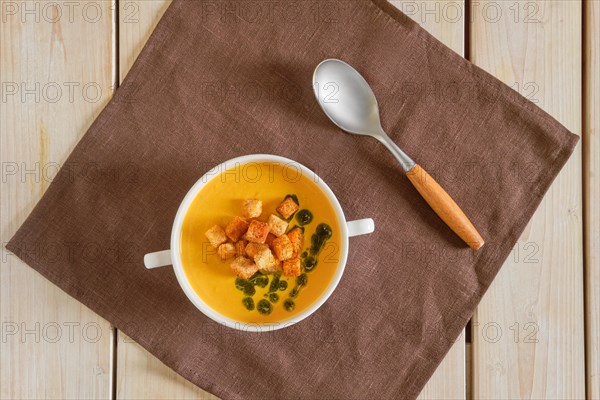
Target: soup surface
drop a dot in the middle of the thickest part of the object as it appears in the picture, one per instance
(219, 202)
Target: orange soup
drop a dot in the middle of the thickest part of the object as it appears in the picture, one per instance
(263, 298)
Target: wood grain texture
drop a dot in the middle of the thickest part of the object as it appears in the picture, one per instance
(56, 71)
(442, 18)
(140, 375)
(528, 330)
(445, 207)
(446, 21)
(591, 182)
(137, 20)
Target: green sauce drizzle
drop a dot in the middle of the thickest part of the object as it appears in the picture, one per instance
(302, 280)
(309, 263)
(259, 279)
(289, 305)
(248, 303)
(304, 217)
(283, 285)
(249, 290)
(264, 307)
(274, 283)
(318, 239)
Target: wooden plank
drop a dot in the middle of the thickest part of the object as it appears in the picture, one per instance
(449, 379)
(137, 20)
(591, 181)
(56, 72)
(140, 375)
(446, 21)
(528, 334)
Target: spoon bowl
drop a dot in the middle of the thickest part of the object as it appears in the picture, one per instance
(346, 98)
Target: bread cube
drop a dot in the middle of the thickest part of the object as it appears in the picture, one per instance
(269, 239)
(277, 226)
(266, 261)
(296, 236)
(278, 267)
(243, 267)
(257, 232)
(240, 247)
(236, 228)
(287, 208)
(292, 267)
(253, 248)
(252, 208)
(226, 251)
(216, 236)
(283, 248)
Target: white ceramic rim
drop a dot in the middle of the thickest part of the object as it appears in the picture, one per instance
(176, 245)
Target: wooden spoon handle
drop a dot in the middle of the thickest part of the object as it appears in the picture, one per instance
(445, 207)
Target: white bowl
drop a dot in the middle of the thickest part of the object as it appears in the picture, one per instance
(173, 257)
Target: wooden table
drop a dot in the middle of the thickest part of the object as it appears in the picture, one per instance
(536, 332)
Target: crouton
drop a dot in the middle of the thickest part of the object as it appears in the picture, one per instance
(277, 226)
(226, 250)
(252, 208)
(257, 232)
(253, 248)
(236, 228)
(266, 262)
(283, 248)
(292, 267)
(278, 267)
(243, 267)
(296, 236)
(240, 247)
(269, 239)
(216, 236)
(287, 208)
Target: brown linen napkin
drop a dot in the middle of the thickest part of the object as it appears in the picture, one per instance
(221, 79)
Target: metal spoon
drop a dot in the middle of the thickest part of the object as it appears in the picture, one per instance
(347, 99)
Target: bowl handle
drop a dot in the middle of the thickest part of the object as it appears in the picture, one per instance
(360, 227)
(157, 259)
